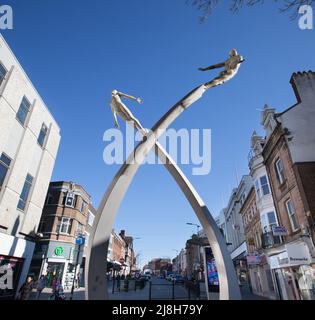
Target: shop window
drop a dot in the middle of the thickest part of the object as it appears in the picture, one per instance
(16, 266)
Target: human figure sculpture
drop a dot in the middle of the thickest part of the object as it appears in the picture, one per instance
(118, 107)
(230, 66)
(96, 285)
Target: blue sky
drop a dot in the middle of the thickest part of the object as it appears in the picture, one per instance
(76, 52)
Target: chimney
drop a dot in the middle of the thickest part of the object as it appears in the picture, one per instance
(303, 84)
(122, 233)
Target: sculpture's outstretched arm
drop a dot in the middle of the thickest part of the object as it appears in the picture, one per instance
(215, 66)
(139, 100)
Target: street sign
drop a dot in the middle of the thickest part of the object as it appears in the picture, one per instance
(80, 240)
(279, 231)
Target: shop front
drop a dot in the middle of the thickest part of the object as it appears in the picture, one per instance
(294, 272)
(261, 280)
(58, 260)
(15, 258)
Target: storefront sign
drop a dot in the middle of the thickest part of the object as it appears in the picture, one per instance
(253, 259)
(59, 251)
(293, 255)
(279, 231)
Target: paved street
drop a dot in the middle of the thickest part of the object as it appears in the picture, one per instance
(161, 290)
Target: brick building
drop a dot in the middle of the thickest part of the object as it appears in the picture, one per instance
(289, 157)
(65, 217)
(121, 255)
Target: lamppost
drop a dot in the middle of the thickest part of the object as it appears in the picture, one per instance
(194, 224)
(80, 241)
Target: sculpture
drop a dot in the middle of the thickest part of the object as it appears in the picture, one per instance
(231, 67)
(118, 107)
(96, 256)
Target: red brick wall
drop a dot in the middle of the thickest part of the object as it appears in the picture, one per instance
(276, 148)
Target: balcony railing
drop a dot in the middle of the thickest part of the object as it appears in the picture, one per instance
(269, 240)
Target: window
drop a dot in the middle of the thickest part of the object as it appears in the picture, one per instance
(292, 215)
(3, 72)
(25, 192)
(264, 185)
(23, 111)
(272, 219)
(5, 162)
(91, 218)
(65, 225)
(49, 199)
(42, 226)
(70, 199)
(280, 171)
(42, 135)
(83, 206)
(87, 236)
(257, 187)
(79, 228)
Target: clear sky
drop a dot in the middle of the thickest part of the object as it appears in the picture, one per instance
(76, 52)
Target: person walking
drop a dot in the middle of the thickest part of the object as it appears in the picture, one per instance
(26, 289)
(53, 286)
(41, 284)
(118, 282)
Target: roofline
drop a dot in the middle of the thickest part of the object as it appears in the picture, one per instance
(29, 80)
(68, 182)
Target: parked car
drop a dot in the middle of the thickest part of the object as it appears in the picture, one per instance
(178, 278)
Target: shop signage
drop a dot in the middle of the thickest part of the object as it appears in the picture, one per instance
(59, 251)
(279, 231)
(293, 255)
(253, 259)
(80, 240)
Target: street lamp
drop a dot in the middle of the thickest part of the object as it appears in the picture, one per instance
(194, 224)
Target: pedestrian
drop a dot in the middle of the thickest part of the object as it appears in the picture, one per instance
(41, 284)
(26, 289)
(77, 281)
(118, 282)
(53, 286)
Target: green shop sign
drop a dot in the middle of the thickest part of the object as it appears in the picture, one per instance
(59, 251)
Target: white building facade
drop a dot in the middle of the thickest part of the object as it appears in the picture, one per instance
(234, 228)
(261, 273)
(29, 141)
